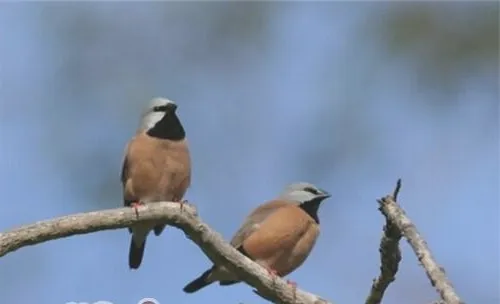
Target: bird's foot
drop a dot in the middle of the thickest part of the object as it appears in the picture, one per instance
(182, 202)
(294, 287)
(273, 273)
(136, 205)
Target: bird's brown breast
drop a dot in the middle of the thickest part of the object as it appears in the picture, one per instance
(283, 240)
(156, 169)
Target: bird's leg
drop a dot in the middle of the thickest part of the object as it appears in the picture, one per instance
(181, 202)
(291, 283)
(273, 273)
(294, 287)
(136, 205)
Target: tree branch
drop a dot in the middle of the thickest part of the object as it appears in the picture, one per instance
(272, 288)
(390, 256)
(399, 220)
(211, 243)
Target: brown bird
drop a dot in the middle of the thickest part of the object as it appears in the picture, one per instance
(279, 235)
(157, 167)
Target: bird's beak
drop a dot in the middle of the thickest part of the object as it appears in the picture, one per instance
(171, 107)
(324, 194)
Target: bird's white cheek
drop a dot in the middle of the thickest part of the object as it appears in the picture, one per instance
(150, 120)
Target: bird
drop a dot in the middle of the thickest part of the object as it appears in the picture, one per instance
(279, 235)
(156, 167)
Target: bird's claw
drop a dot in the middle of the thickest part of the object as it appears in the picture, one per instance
(136, 205)
(182, 202)
(273, 273)
(294, 287)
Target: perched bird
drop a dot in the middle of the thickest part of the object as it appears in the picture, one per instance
(279, 235)
(156, 167)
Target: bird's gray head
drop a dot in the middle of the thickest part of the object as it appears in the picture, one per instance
(302, 192)
(155, 110)
(160, 120)
(307, 196)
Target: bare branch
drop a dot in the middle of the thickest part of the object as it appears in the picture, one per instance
(210, 242)
(396, 215)
(390, 256)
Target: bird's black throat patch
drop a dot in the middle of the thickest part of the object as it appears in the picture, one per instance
(169, 127)
(311, 208)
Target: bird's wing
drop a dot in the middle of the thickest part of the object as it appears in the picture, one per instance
(125, 171)
(252, 222)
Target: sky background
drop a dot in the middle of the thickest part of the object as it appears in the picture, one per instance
(349, 96)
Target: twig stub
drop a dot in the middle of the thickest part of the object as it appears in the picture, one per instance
(396, 190)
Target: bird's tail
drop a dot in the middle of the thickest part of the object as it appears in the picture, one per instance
(227, 283)
(135, 253)
(158, 229)
(200, 282)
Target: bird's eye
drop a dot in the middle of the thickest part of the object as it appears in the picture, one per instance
(160, 109)
(311, 190)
